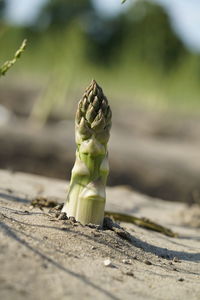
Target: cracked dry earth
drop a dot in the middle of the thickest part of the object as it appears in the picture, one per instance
(44, 257)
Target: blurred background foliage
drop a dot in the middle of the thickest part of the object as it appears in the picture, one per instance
(136, 56)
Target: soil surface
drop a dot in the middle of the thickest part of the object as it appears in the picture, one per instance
(44, 257)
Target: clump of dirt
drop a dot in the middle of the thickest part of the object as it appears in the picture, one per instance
(108, 223)
(43, 202)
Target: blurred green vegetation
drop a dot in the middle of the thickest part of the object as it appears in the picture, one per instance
(9, 63)
(135, 56)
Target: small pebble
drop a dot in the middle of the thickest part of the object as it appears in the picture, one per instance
(93, 248)
(147, 262)
(108, 263)
(127, 261)
(181, 279)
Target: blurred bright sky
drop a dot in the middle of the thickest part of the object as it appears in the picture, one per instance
(184, 14)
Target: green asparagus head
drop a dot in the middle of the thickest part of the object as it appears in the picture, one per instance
(93, 117)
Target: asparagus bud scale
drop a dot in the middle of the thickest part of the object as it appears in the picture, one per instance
(86, 197)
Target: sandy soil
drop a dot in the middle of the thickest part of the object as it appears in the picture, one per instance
(42, 257)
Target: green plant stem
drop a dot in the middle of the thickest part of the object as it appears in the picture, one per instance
(8, 64)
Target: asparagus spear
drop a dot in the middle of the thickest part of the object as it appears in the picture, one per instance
(86, 197)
